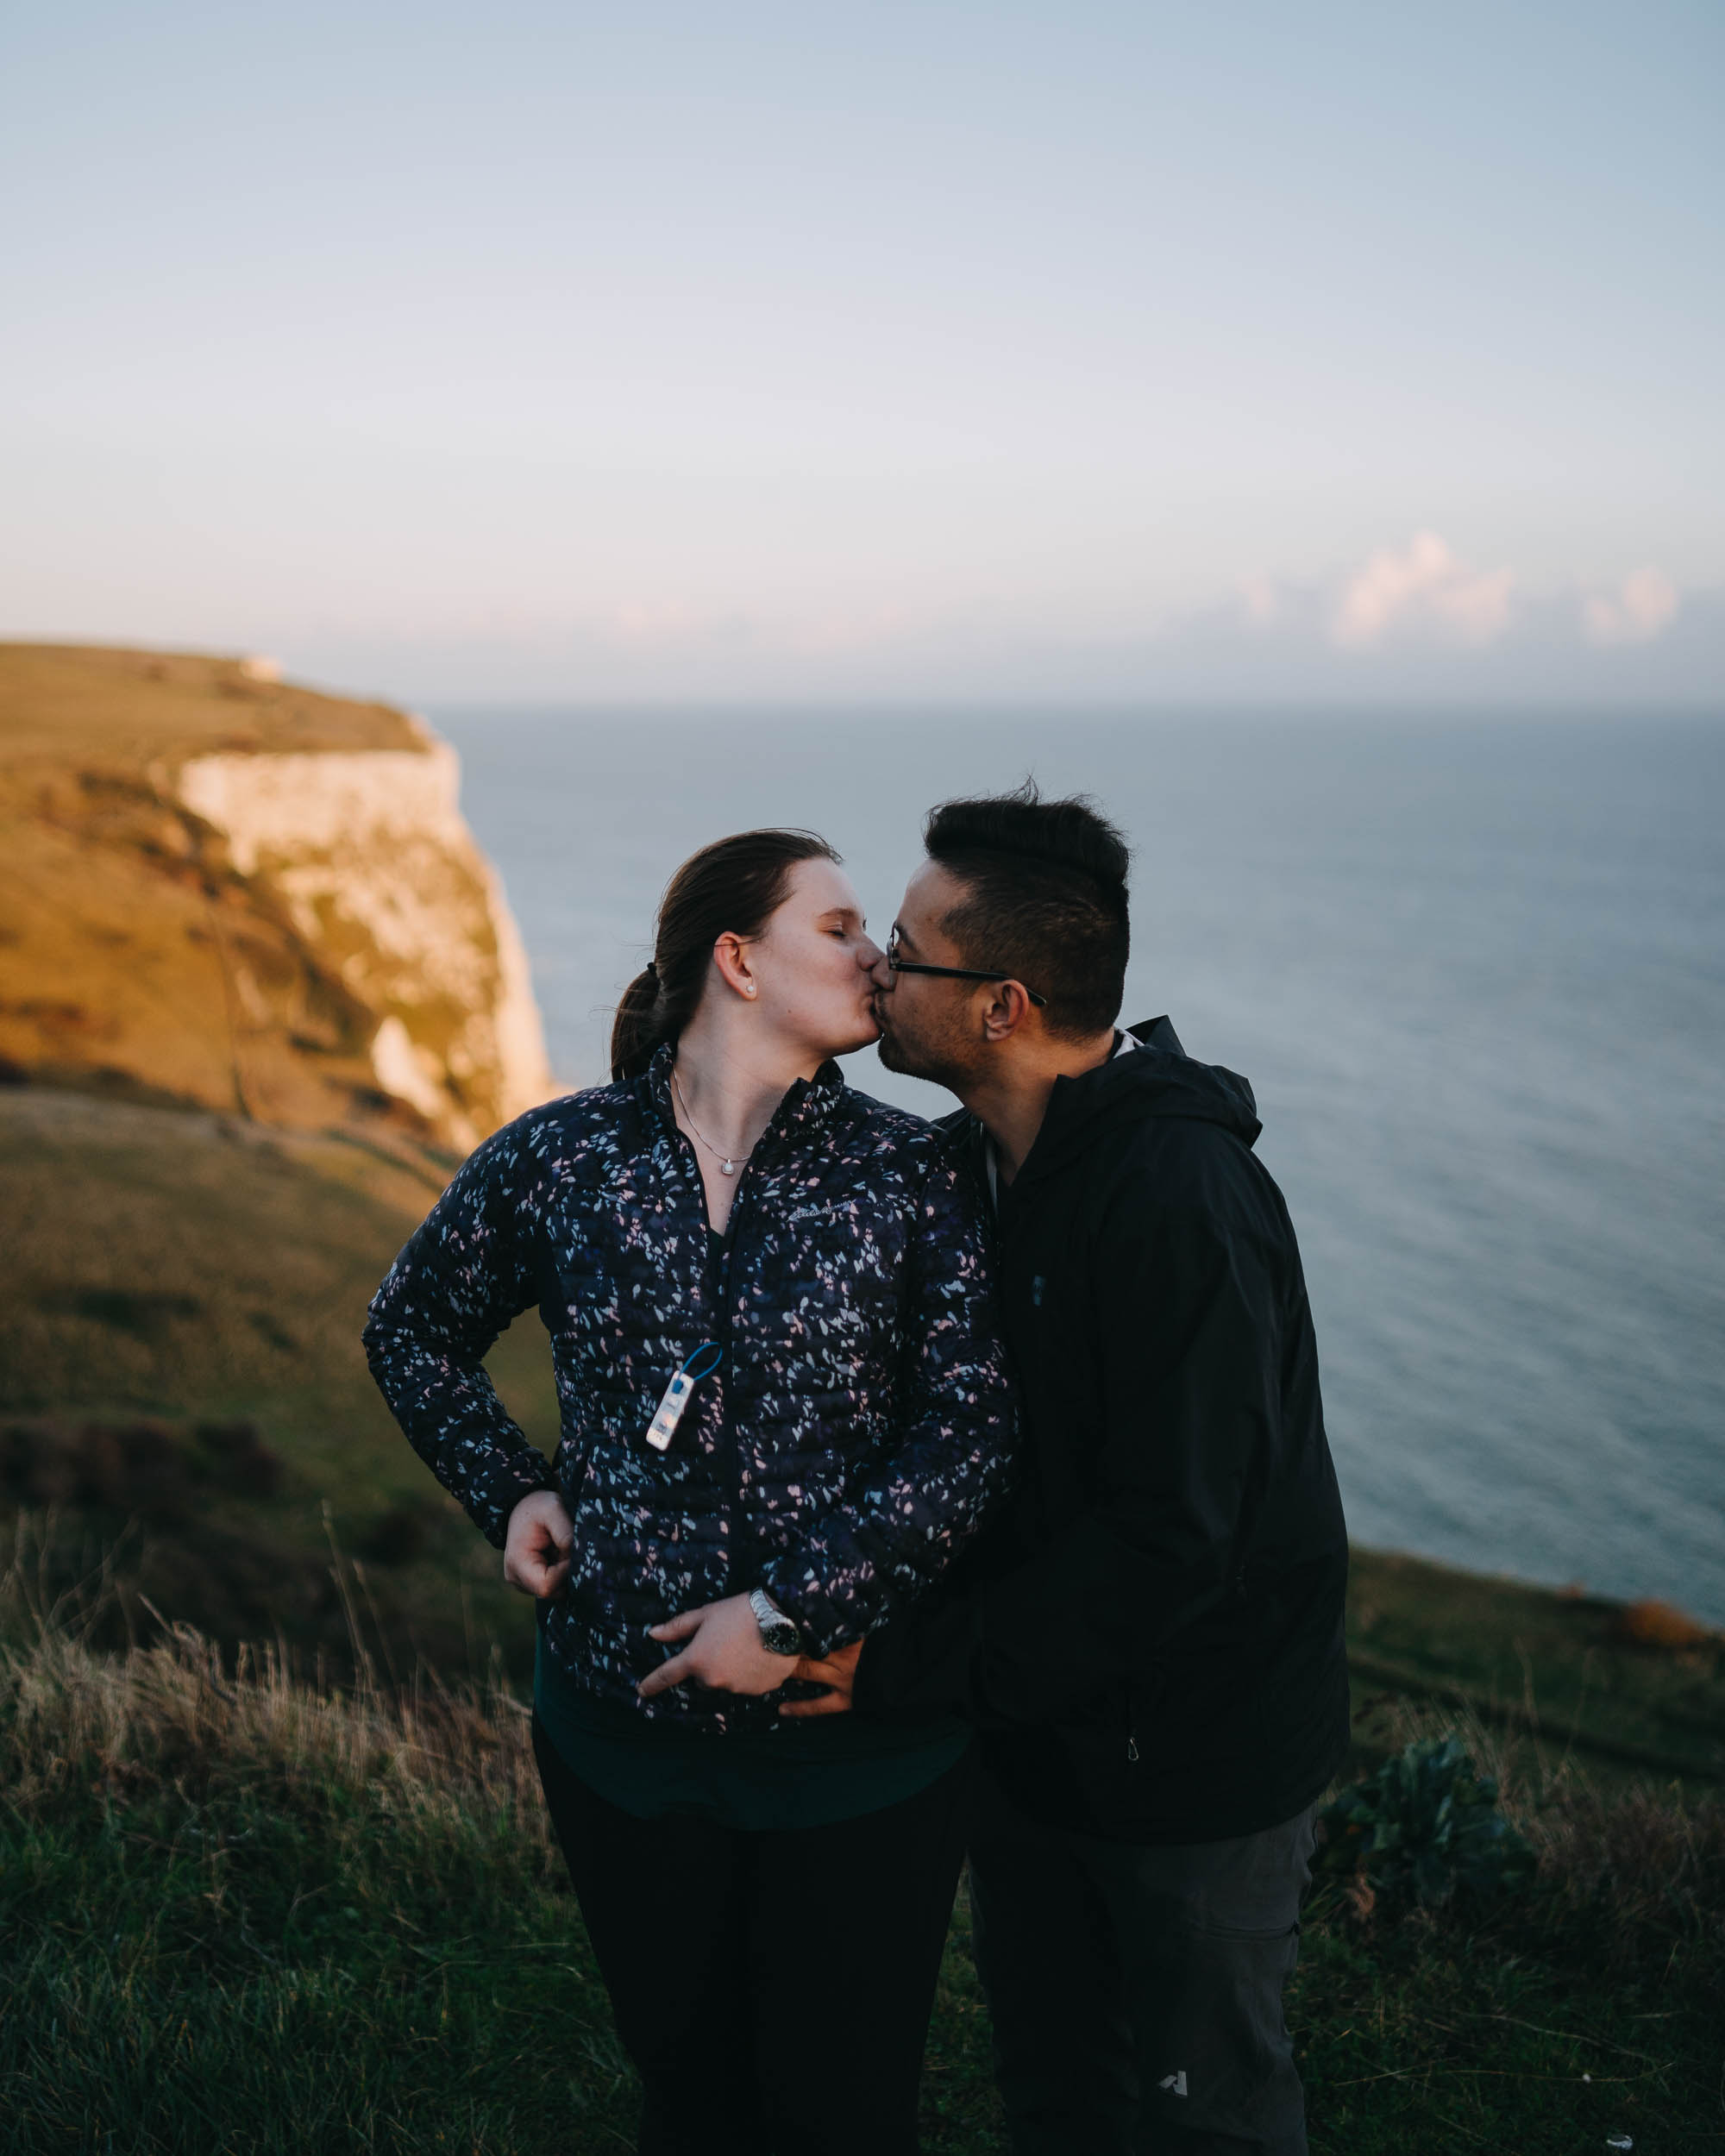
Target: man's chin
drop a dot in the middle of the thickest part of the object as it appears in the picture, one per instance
(891, 1059)
(894, 1055)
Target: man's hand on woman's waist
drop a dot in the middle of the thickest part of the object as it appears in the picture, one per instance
(837, 1672)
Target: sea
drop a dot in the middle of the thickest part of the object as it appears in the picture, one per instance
(1474, 970)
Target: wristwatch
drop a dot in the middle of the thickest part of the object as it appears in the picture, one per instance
(777, 1635)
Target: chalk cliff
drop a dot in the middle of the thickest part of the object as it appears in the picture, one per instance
(225, 888)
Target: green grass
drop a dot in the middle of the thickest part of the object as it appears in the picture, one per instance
(193, 1267)
(243, 1914)
(239, 1911)
(190, 1268)
(1565, 1668)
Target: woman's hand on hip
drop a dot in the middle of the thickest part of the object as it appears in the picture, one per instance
(537, 1544)
(724, 1651)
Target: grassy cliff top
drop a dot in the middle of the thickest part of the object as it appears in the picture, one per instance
(243, 1912)
(192, 1267)
(172, 1270)
(132, 948)
(90, 703)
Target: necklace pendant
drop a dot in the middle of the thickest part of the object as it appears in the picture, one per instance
(727, 1168)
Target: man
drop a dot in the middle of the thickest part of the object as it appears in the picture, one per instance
(1153, 1646)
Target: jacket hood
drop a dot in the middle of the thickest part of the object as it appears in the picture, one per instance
(1158, 1079)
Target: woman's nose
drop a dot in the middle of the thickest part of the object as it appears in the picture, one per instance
(873, 960)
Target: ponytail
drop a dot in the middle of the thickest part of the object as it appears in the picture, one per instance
(635, 1034)
(733, 887)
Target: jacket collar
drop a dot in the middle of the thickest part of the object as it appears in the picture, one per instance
(805, 1110)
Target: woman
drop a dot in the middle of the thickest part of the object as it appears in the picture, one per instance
(784, 1403)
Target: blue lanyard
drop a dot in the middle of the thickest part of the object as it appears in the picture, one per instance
(663, 1426)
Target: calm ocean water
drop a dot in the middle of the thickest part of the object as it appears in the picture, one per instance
(1474, 971)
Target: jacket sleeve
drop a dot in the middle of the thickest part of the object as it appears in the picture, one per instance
(1186, 1333)
(462, 1278)
(954, 1460)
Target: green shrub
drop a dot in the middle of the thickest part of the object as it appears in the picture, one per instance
(1425, 1825)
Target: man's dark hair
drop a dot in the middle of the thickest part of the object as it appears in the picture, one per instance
(1044, 899)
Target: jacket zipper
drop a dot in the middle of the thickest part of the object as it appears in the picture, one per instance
(721, 1318)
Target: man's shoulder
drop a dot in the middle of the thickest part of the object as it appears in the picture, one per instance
(1202, 1172)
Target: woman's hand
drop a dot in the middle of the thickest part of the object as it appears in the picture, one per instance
(726, 1651)
(537, 1544)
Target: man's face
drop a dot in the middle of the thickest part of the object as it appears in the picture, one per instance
(931, 1027)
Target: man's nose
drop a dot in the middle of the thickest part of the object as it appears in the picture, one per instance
(876, 964)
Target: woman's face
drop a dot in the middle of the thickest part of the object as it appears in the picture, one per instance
(813, 963)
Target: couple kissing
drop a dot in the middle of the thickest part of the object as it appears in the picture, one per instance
(927, 1492)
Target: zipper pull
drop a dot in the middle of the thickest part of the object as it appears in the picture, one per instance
(1131, 1748)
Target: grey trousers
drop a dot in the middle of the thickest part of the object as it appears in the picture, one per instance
(1136, 1991)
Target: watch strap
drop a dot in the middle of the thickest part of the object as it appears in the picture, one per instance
(780, 1634)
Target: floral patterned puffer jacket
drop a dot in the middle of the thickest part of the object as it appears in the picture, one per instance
(857, 1426)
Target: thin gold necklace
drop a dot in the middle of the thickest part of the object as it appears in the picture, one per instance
(728, 1165)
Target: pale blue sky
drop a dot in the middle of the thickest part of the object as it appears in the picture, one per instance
(821, 353)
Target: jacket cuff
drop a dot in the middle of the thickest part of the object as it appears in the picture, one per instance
(499, 1486)
(804, 1601)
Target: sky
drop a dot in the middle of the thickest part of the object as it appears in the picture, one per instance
(1258, 353)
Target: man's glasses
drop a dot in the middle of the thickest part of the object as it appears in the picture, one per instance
(951, 973)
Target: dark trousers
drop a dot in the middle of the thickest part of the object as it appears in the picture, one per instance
(772, 1989)
(1136, 1991)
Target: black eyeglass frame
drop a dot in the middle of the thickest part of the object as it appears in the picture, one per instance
(896, 964)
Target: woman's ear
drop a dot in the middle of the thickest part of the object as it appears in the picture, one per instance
(731, 956)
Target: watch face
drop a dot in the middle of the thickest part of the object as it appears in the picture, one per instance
(777, 1635)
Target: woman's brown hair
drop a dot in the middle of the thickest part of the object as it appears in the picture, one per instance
(733, 887)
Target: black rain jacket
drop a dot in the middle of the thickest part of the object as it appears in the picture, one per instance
(1153, 1641)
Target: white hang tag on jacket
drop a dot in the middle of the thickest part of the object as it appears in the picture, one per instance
(663, 1426)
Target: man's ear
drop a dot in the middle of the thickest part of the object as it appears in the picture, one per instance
(1007, 1010)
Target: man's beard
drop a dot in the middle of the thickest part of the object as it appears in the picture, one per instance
(940, 1060)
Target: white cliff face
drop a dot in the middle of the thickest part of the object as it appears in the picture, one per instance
(370, 855)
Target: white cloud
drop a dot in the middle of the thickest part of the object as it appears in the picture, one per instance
(1425, 587)
(1642, 606)
(1264, 601)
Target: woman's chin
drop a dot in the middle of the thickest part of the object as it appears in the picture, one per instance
(868, 1032)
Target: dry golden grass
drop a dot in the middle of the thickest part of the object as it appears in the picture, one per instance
(121, 708)
(246, 1911)
(177, 1714)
